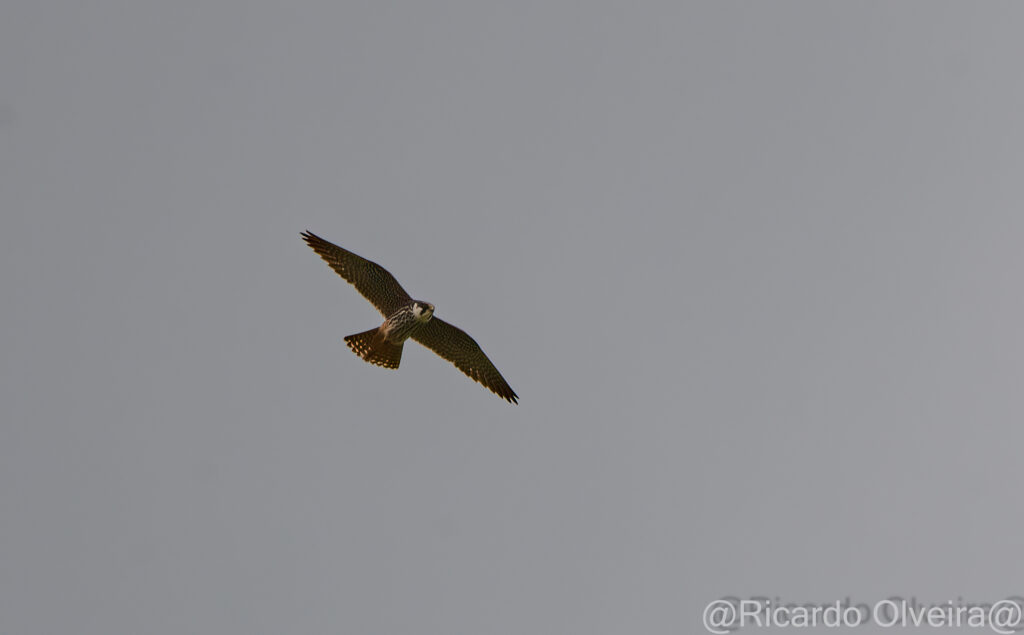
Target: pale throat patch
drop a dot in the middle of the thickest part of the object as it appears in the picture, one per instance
(422, 311)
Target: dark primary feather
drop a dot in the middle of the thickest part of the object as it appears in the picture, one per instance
(455, 345)
(370, 279)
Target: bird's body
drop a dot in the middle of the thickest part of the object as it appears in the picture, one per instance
(383, 345)
(401, 324)
(405, 318)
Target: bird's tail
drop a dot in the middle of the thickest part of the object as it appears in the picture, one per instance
(372, 347)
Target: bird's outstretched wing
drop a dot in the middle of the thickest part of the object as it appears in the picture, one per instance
(373, 281)
(455, 345)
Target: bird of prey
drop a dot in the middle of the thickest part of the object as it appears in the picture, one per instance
(405, 318)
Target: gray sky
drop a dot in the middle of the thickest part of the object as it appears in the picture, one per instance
(753, 269)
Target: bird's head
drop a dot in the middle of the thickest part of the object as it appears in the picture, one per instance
(422, 311)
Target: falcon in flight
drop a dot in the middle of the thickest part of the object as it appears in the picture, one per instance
(405, 318)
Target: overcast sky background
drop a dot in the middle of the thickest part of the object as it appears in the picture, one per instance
(754, 270)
